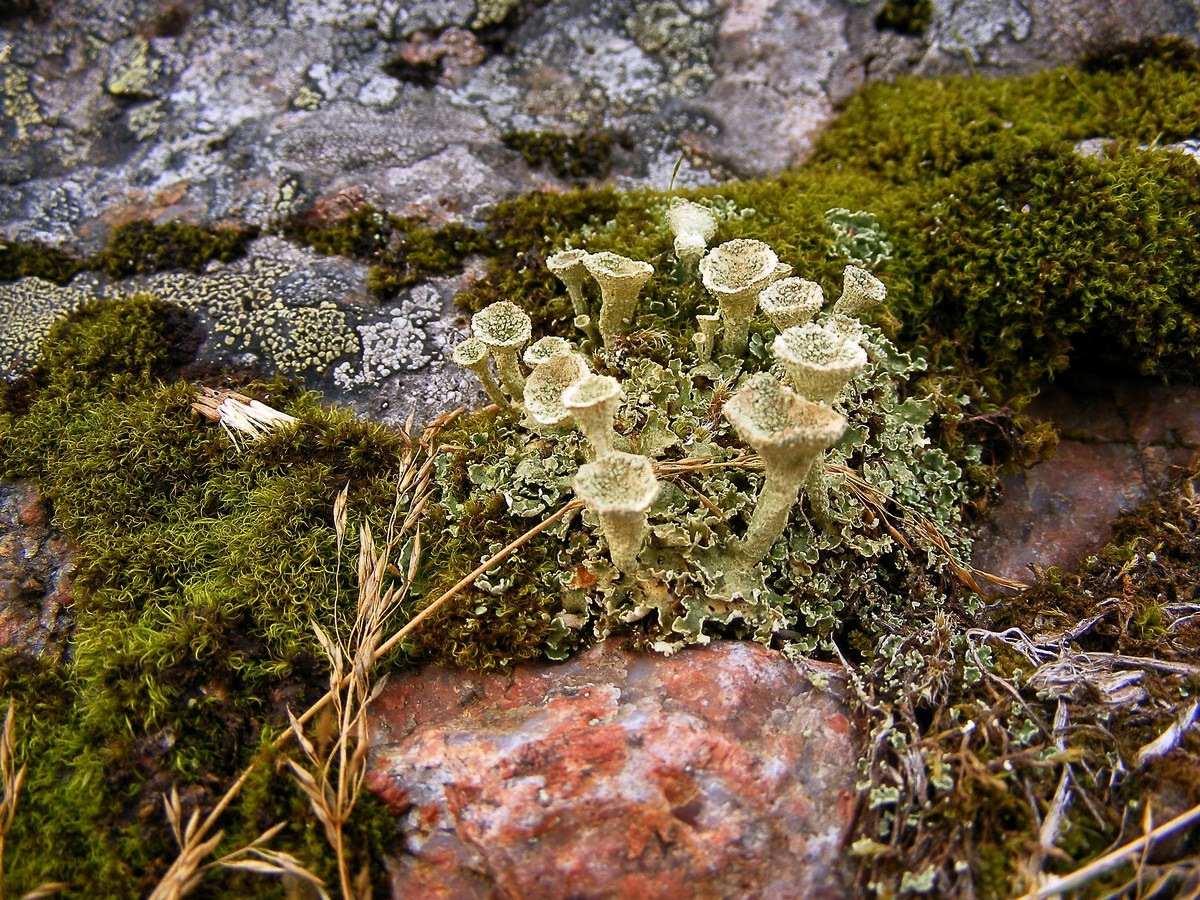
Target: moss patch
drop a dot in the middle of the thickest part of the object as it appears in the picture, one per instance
(23, 259)
(200, 572)
(573, 157)
(136, 248)
(907, 17)
(401, 251)
(140, 248)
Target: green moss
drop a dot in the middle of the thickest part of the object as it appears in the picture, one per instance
(574, 157)
(907, 17)
(401, 251)
(199, 574)
(22, 259)
(140, 248)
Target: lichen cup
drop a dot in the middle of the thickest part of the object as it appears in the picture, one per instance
(545, 386)
(790, 434)
(593, 401)
(735, 273)
(819, 362)
(693, 227)
(472, 355)
(619, 488)
(621, 279)
(860, 291)
(504, 327)
(791, 301)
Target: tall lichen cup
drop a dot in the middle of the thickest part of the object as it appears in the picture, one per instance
(791, 301)
(505, 328)
(819, 362)
(593, 401)
(619, 488)
(860, 291)
(621, 279)
(545, 386)
(735, 273)
(472, 354)
(789, 433)
(693, 226)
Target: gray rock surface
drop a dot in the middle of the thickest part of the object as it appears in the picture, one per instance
(238, 110)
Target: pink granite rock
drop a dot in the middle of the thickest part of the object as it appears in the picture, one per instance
(1122, 441)
(36, 566)
(722, 771)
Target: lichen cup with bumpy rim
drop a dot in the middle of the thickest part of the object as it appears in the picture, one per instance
(545, 349)
(735, 273)
(567, 266)
(621, 279)
(860, 291)
(619, 488)
(790, 434)
(593, 401)
(791, 301)
(472, 354)
(545, 386)
(819, 362)
(693, 226)
(505, 328)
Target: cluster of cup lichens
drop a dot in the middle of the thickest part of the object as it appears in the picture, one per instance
(790, 426)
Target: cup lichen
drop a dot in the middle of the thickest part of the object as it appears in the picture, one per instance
(789, 433)
(735, 273)
(619, 488)
(504, 327)
(819, 362)
(792, 301)
(593, 401)
(621, 279)
(472, 355)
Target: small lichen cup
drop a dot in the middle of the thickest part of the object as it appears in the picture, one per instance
(819, 362)
(791, 301)
(735, 273)
(621, 279)
(790, 434)
(567, 266)
(472, 354)
(593, 402)
(545, 386)
(504, 327)
(619, 488)
(693, 227)
(860, 291)
(544, 349)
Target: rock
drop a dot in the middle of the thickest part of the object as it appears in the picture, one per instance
(36, 565)
(721, 771)
(1123, 440)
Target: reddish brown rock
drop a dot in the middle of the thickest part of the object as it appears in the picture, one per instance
(1122, 442)
(36, 565)
(722, 771)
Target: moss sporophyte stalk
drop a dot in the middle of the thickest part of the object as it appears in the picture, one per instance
(717, 479)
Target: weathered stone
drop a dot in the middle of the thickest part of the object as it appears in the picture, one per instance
(721, 771)
(36, 565)
(1122, 441)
